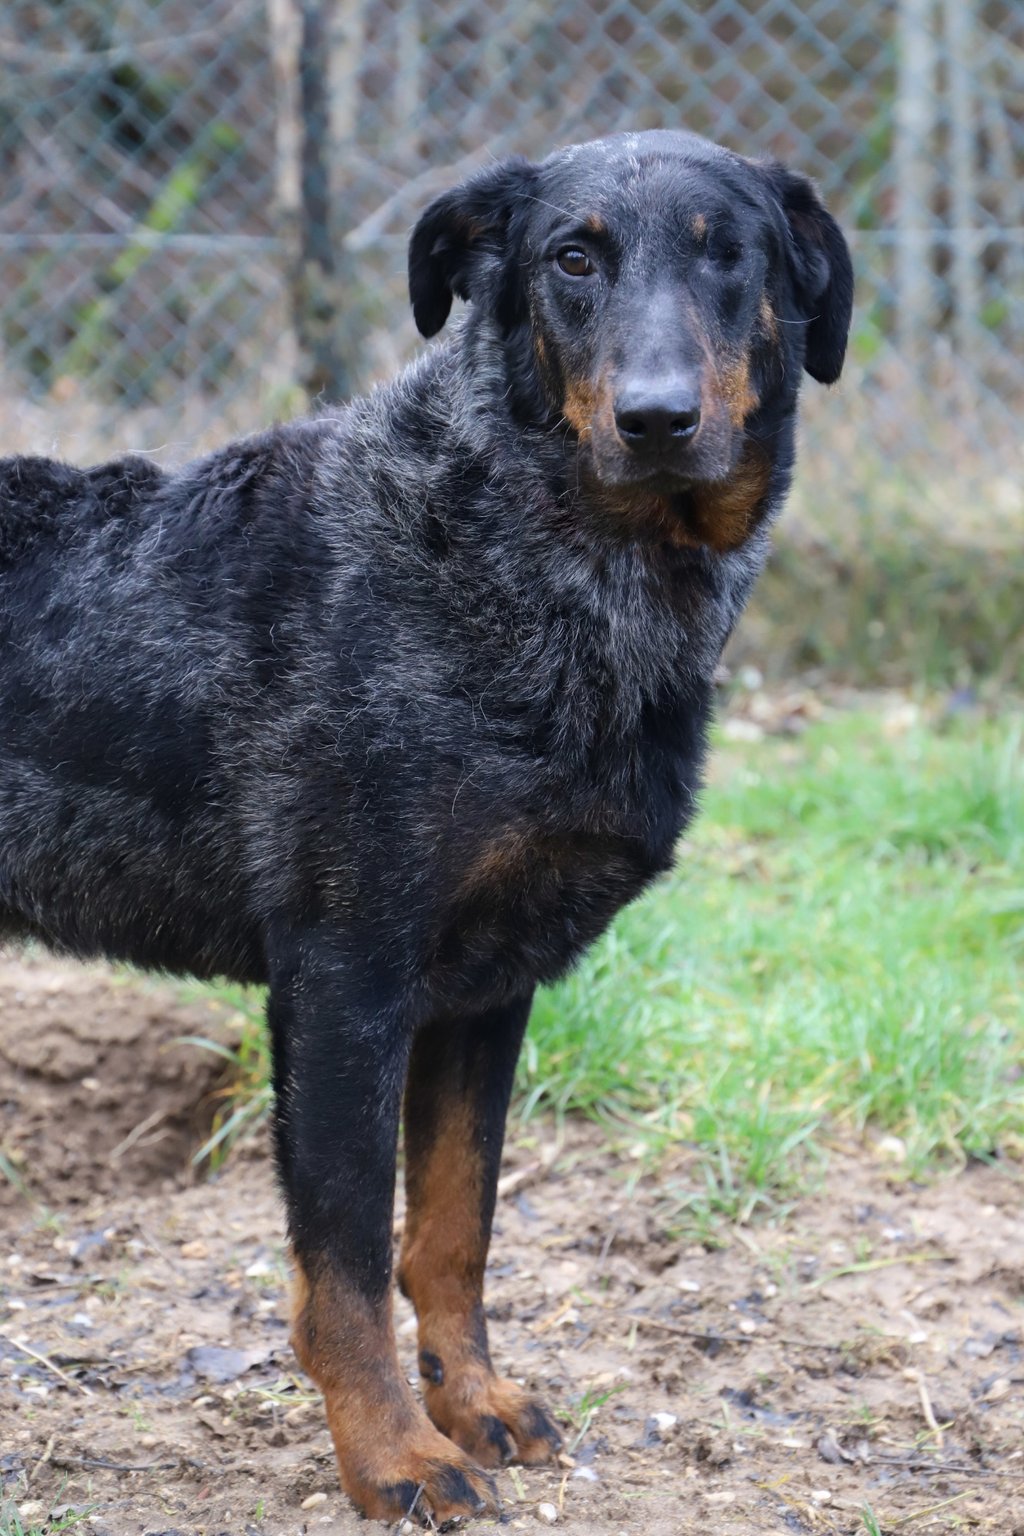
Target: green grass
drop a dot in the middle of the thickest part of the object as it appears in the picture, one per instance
(11, 1523)
(842, 944)
(840, 947)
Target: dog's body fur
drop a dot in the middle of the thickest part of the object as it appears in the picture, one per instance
(392, 710)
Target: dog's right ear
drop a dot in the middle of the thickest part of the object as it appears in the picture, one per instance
(455, 236)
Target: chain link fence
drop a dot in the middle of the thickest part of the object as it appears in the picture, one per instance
(204, 203)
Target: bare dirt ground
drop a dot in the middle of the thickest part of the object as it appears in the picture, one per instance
(864, 1350)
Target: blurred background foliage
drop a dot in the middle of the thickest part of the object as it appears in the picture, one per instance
(204, 206)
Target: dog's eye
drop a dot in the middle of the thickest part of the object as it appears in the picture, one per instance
(725, 251)
(574, 262)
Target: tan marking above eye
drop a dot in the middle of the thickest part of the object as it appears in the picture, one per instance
(700, 225)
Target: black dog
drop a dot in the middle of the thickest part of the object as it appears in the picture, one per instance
(395, 708)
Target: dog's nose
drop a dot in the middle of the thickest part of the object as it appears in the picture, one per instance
(651, 418)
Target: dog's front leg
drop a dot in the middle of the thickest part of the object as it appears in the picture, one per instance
(340, 1052)
(460, 1079)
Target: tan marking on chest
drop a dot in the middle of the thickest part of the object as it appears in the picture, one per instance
(521, 858)
(501, 863)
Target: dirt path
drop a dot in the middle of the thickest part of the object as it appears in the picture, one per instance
(775, 1385)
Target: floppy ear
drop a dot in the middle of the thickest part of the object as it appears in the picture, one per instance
(455, 234)
(821, 270)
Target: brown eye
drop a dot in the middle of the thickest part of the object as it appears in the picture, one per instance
(574, 262)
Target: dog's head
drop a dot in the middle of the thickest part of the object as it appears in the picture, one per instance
(658, 294)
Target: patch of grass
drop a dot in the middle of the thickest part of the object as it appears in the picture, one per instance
(246, 1099)
(584, 1411)
(12, 1524)
(841, 942)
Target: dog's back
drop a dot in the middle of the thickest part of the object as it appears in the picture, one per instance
(122, 671)
(45, 505)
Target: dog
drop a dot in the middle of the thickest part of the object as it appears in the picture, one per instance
(393, 708)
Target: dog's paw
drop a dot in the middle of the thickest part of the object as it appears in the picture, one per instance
(427, 1479)
(495, 1421)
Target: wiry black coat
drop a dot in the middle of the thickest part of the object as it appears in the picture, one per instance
(394, 708)
(305, 679)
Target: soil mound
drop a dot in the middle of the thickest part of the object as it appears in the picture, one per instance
(97, 1093)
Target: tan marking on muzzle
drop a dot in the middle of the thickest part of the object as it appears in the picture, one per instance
(734, 389)
(587, 403)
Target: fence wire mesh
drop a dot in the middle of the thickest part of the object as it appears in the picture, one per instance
(204, 203)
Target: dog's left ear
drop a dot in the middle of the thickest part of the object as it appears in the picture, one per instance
(455, 235)
(821, 269)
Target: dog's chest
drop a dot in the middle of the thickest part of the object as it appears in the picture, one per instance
(560, 829)
(528, 897)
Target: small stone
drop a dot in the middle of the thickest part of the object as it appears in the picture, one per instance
(586, 1475)
(548, 1513)
(314, 1501)
(196, 1249)
(664, 1421)
(747, 1325)
(821, 1496)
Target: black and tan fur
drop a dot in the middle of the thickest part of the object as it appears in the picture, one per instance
(394, 708)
